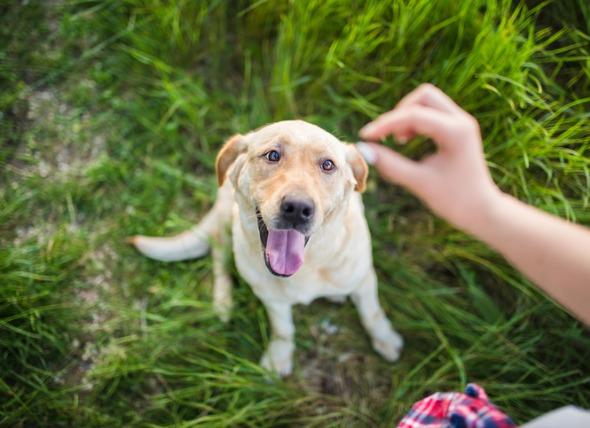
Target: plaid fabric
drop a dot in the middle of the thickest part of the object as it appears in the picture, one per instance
(471, 409)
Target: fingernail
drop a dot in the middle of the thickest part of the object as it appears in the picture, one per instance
(367, 152)
(367, 129)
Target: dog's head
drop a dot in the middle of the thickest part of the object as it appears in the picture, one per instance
(295, 177)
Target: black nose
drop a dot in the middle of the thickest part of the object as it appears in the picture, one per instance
(297, 211)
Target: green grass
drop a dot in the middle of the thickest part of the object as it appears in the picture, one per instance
(112, 113)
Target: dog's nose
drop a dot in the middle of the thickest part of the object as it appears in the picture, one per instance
(297, 211)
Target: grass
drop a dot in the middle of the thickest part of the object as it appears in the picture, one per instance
(112, 113)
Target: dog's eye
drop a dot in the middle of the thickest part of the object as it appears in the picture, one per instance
(272, 156)
(328, 165)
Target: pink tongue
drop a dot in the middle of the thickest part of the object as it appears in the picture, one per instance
(284, 251)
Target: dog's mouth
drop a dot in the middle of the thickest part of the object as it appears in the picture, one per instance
(283, 248)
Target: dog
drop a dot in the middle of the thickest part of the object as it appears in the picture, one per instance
(291, 193)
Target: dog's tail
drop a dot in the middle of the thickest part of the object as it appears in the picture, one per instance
(193, 243)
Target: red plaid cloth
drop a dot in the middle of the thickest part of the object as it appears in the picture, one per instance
(471, 409)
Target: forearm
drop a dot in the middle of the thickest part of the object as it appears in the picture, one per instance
(550, 251)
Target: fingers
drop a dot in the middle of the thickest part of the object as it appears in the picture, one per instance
(394, 167)
(429, 95)
(416, 119)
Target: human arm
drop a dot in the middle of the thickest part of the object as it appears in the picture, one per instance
(456, 184)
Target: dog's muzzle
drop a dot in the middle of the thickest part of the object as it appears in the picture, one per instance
(284, 246)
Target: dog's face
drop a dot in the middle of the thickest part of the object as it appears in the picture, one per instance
(295, 177)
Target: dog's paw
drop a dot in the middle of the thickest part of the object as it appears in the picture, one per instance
(389, 345)
(281, 367)
(278, 358)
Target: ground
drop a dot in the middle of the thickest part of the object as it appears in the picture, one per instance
(111, 116)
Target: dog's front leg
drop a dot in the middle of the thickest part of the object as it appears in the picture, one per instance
(386, 341)
(279, 354)
(222, 282)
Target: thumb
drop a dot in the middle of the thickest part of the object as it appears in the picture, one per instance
(396, 168)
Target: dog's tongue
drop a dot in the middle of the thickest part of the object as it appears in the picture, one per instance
(284, 250)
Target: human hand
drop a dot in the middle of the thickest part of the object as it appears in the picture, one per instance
(454, 182)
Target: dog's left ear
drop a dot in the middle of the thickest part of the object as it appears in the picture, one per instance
(227, 155)
(360, 169)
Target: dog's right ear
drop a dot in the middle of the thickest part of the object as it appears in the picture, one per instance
(227, 155)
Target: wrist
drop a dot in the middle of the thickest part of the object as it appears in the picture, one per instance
(486, 214)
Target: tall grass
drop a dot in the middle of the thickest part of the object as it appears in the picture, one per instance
(111, 126)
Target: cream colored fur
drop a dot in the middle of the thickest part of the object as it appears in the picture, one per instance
(338, 261)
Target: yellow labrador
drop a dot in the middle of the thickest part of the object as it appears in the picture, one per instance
(291, 192)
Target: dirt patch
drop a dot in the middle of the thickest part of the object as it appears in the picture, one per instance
(353, 376)
(94, 293)
(61, 140)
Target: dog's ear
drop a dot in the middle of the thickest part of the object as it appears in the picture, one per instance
(227, 155)
(360, 169)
